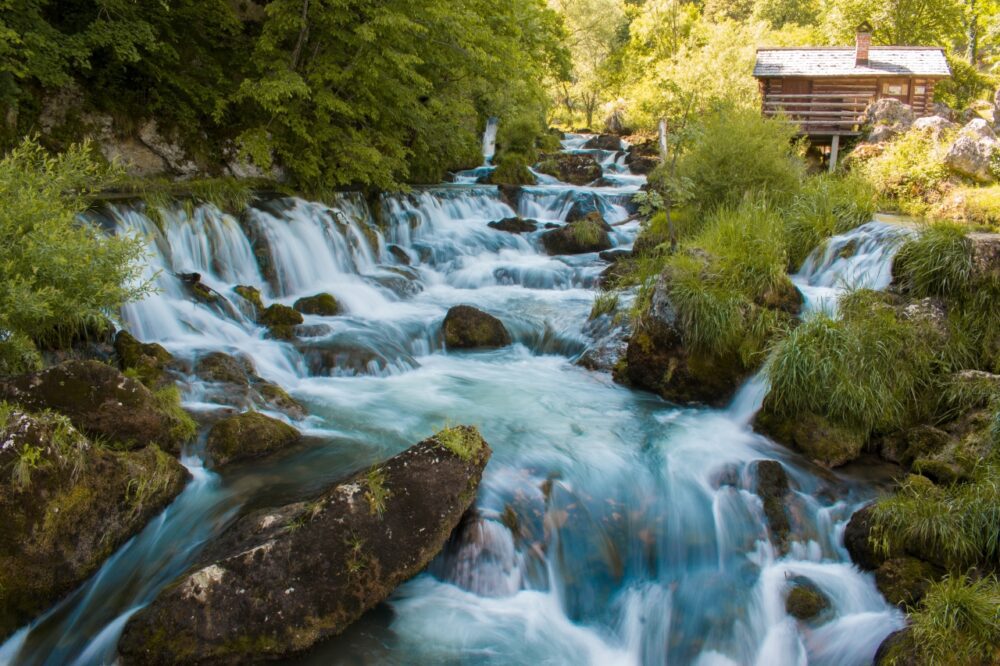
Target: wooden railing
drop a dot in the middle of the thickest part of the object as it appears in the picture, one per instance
(820, 113)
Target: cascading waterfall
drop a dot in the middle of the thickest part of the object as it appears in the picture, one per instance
(610, 528)
(490, 139)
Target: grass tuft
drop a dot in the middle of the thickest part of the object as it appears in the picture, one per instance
(463, 441)
(182, 426)
(958, 622)
(377, 493)
(605, 304)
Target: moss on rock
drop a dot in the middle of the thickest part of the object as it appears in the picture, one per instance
(252, 296)
(805, 601)
(149, 361)
(247, 436)
(465, 327)
(824, 442)
(589, 234)
(323, 305)
(281, 320)
(904, 581)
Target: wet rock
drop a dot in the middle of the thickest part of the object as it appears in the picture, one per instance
(198, 290)
(783, 297)
(281, 320)
(510, 195)
(904, 581)
(67, 505)
(886, 118)
(907, 446)
(466, 327)
(221, 367)
(100, 401)
(148, 360)
(515, 225)
(610, 334)
(616, 255)
(658, 360)
(400, 255)
(771, 486)
(591, 234)
(604, 142)
(585, 205)
(805, 601)
(826, 443)
(241, 387)
(898, 649)
(858, 543)
(572, 168)
(972, 152)
(248, 436)
(282, 579)
(642, 158)
(324, 305)
(252, 296)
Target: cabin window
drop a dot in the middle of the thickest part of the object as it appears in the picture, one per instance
(894, 88)
(919, 90)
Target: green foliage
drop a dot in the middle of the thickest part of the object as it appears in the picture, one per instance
(512, 169)
(376, 493)
(867, 369)
(937, 262)
(736, 152)
(910, 171)
(463, 441)
(182, 426)
(826, 206)
(958, 621)
(605, 303)
(906, 22)
(57, 275)
(966, 85)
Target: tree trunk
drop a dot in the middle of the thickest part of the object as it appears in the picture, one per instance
(972, 33)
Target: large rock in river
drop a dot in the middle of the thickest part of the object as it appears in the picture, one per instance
(465, 327)
(826, 443)
(102, 402)
(67, 504)
(247, 436)
(281, 580)
(590, 234)
(572, 168)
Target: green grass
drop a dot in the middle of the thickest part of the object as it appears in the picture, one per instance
(182, 426)
(958, 622)
(463, 441)
(826, 206)
(976, 205)
(586, 232)
(868, 369)
(911, 171)
(376, 493)
(937, 262)
(605, 303)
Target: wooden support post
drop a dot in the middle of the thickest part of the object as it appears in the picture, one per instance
(834, 152)
(663, 139)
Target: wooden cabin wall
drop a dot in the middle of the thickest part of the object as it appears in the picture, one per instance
(921, 103)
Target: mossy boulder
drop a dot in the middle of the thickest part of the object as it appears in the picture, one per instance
(248, 436)
(908, 445)
(824, 442)
(590, 234)
(324, 305)
(805, 601)
(281, 320)
(221, 367)
(149, 361)
(604, 142)
(857, 540)
(772, 487)
(514, 225)
(252, 296)
(282, 579)
(67, 505)
(899, 649)
(197, 289)
(240, 386)
(904, 581)
(572, 168)
(103, 403)
(642, 158)
(465, 327)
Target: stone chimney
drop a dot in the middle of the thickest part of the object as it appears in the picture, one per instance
(864, 45)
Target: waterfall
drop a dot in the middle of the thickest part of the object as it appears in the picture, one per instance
(610, 527)
(490, 140)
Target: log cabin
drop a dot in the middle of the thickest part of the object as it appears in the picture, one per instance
(825, 91)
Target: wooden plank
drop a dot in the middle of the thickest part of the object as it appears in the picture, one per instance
(821, 96)
(825, 105)
(834, 152)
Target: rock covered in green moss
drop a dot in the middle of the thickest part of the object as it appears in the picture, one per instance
(282, 579)
(102, 402)
(824, 442)
(247, 436)
(148, 360)
(240, 386)
(590, 234)
(465, 327)
(772, 487)
(281, 320)
(805, 601)
(324, 305)
(904, 581)
(67, 504)
(572, 168)
(252, 296)
(857, 540)
(514, 225)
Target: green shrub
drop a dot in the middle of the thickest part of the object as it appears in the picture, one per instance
(867, 369)
(936, 262)
(911, 171)
(733, 152)
(958, 622)
(57, 274)
(827, 206)
(965, 85)
(512, 169)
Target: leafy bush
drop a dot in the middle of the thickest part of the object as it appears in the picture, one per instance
(965, 85)
(911, 171)
(57, 274)
(867, 369)
(826, 206)
(734, 152)
(958, 621)
(512, 169)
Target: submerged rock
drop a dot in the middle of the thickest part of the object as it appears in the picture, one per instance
(465, 327)
(100, 401)
(824, 442)
(281, 320)
(240, 386)
(771, 486)
(604, 142)
(585, 205)
(572, 168)
(68, 504)
(248, 436)
(857, 540)
(280, 580)
(514, 225)
(324, 305)
(148, 360)
(805, 601)
(590, 234)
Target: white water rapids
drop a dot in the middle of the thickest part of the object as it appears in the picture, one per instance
(611, 527)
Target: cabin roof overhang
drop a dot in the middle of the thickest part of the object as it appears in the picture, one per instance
(884, 61)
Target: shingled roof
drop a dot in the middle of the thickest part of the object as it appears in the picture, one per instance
(883, 61)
